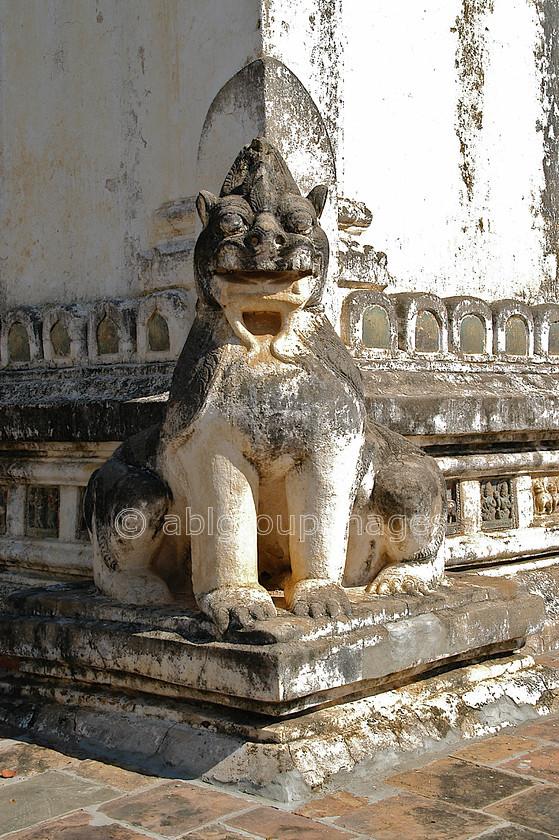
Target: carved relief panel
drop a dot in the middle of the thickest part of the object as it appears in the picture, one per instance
(42, 511)
(453, 524)
(498, 507)
(82, 534)
(545, 490)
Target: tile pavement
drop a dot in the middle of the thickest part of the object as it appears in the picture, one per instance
(504, 787)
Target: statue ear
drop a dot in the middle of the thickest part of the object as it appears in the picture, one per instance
(205, 203)
(317, 198)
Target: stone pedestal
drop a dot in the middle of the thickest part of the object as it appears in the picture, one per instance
(281, 708)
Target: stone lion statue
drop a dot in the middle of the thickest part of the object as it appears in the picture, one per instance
(266, 446)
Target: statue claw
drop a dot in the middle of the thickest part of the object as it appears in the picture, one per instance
(237, 606)
(317, 598)
(396, 581)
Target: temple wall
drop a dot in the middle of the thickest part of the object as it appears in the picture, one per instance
(449, 140)
(441, 119)
(101, 109)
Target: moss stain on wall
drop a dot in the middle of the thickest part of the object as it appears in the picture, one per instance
(547, 56)
(470, 63)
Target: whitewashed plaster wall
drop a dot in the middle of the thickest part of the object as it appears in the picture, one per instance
(307, 36)
(441, 116)
(101, 108)
(450, 108)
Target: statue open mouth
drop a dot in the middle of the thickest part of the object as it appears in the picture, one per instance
(263, 323)
(258, 309)
(261, 303)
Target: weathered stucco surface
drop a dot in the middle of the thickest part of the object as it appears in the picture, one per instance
(101, 106)
(452, 102)
(441, 118)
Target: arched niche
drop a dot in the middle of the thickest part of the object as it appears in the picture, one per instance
(368, 322)
(162, 324)
(60, 340)
(553, 339)
(19, 349)
(422, 322)
(513, 329)
(375, 332)
(111, 331)
(546, 325)
(516, 336)
(470, 325)
(427, 332)
(472, 335)
(106, 336)
(158, 334)
(64, 335)
(19, 336)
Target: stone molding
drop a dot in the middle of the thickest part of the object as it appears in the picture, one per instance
(131, 317)
(81, 321)
(530, 530)
(449, 314)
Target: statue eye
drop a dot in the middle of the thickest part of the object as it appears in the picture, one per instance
(299, 222)
(232, 223)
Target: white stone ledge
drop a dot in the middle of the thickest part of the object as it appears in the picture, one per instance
(484, 547)
(54, 556)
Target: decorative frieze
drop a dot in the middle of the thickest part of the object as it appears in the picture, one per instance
(482, 506)
(373, 325)
(460, 327)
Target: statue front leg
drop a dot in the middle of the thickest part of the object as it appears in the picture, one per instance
(320, 495)
(222, 511)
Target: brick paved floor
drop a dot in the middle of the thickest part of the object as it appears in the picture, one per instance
(504, 787)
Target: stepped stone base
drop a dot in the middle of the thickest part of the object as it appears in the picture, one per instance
(286, 707)
(282, 760)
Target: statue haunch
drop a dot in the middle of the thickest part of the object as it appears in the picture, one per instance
(266, 442)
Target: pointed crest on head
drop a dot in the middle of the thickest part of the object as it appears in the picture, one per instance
(260, 174)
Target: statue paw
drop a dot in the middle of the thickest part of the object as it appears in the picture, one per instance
(316, 598)
(237, 607)
(134, 586)
(397, 581)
